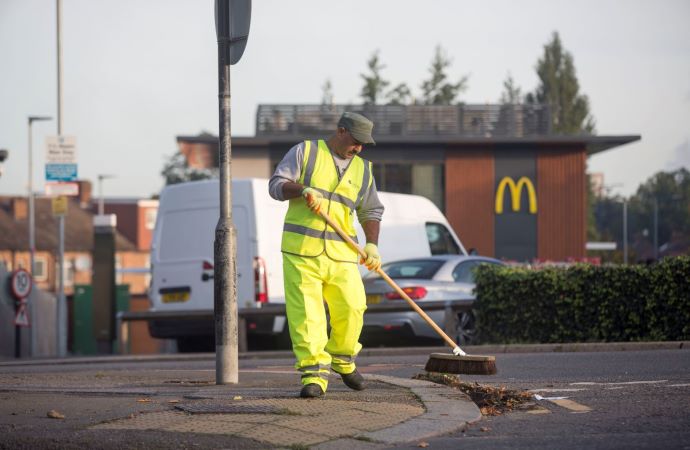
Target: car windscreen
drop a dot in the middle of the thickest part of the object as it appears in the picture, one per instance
(413, 268)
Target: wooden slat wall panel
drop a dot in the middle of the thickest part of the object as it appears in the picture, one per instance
(561, 227)
(470, 197)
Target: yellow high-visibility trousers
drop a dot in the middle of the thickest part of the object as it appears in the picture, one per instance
(308, 282)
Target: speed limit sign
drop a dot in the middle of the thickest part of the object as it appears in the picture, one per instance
(20, 284)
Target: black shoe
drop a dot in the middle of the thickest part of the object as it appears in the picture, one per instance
(353, 380)
(311, 390)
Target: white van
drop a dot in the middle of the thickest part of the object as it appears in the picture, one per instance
(182, 251)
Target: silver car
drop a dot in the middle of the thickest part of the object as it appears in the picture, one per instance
(446, 278)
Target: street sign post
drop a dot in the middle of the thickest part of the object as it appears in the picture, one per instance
(232, 29)
(55, 189)
(20, 285)
(61, 158)
(61, 165)
(21, 319)
(59, 206)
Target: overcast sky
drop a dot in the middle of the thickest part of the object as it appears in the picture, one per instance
(137, 74)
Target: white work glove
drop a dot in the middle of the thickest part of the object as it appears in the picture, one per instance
(373, 260)
(313, 198)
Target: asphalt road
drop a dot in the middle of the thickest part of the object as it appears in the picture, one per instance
(628, 399)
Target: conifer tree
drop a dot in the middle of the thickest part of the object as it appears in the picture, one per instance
(438, 90)
(560, 89)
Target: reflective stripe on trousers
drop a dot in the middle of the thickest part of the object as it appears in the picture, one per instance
(308, 282)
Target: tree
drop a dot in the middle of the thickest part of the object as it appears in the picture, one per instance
(374, 85)
(559, 89)
(437, 90)
(399, 95)
(671, 192)
(511, 93)
(175, 170)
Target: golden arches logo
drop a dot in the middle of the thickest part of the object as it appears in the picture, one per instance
(515, 194)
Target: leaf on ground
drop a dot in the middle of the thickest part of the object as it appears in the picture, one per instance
(55, 414)
(491, 400)
(423, 444)
(237, 397)
(485, 429)
(173, 401)
(144, 400)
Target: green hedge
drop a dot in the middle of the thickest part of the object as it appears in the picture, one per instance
(584, 303)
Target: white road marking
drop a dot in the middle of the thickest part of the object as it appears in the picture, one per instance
(592, 383)
(557, 390)
(539, 397)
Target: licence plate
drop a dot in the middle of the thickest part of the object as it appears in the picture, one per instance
(175, 297)
(373, 299)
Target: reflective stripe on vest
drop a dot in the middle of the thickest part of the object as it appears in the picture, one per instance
(305, 233)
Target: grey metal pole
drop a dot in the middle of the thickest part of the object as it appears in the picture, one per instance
(31, 203)
(625, 231)
(656, 229)
(59, 67)
(61, 306)
(32, 246)
(32, 233)
(225, 273)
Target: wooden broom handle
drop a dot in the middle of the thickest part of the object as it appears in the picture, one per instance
(388, 279)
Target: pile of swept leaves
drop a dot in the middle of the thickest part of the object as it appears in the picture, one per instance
(492, 401)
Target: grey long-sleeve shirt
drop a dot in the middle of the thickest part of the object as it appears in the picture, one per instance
(289, 169)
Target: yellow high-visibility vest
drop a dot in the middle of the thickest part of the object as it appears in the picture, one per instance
(306, 233)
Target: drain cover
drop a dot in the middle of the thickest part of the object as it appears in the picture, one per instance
(230, 409)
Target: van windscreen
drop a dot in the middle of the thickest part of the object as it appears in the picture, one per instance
(188, 234)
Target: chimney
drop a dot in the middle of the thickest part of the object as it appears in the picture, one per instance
(20, 208)
(84, 194)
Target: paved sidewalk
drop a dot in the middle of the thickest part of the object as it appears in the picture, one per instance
(146, 408)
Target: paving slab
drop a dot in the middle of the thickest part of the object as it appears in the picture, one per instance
(103, 406)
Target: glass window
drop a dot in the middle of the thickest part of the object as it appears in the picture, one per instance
(118, 266)
(412, 178)
(414, 268)
(427, 181)
(464, 272)
(40, 266)
(441, 242)
(67, 273)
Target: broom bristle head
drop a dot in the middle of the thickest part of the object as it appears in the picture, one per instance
(467, 365)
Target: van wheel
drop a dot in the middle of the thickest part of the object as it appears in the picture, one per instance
(466, 329)
(195, 344)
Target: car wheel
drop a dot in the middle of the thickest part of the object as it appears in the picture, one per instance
(466, 328)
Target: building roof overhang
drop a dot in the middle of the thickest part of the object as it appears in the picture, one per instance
(593, 144)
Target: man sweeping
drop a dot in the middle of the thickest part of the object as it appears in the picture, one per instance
(318, 265)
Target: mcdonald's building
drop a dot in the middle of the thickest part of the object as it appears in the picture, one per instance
(509, 187)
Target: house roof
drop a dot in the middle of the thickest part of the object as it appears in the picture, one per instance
(14, 233)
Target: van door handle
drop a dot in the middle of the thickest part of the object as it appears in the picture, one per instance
(206, 277)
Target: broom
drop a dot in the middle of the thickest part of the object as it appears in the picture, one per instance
(459, 362)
